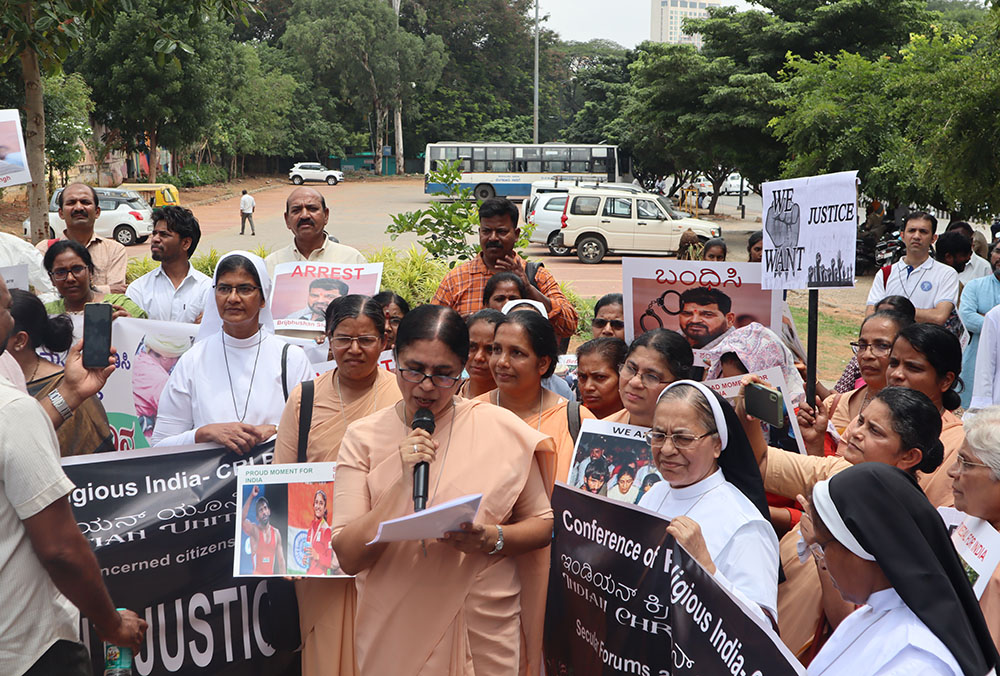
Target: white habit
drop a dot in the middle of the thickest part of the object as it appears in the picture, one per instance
(884, 638)
(740, 541)
(198, 391)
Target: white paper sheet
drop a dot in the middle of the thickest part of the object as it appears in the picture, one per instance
(431, 523)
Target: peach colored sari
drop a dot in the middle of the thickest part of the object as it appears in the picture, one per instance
(327, 607)
(439, 611)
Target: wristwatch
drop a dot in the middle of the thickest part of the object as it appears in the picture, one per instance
(499, 545)
(60, 404)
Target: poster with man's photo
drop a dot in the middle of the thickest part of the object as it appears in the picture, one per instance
(283, 518)
(700, 299)
(13, 158)
(810, 231)
(303, 289)
(613, 460)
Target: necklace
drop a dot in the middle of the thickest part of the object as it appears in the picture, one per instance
(232, 390)
(541, 393)
(38, 361)
(867, 400)
(343, 404)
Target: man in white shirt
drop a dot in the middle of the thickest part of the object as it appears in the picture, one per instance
(175, 291)
(955, 250)
(931, 286)
(306, 215)
(977, 266)
(47, 569)
(247, 206)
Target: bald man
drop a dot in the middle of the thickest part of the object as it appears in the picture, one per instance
(306, 215)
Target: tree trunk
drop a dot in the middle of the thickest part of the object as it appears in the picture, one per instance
(154, 157)
(399, 135)
(34, 141)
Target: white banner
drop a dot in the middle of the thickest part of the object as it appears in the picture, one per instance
(810, 231)
(16, 277)
(302, 290)
(13, 158)
(978, 546)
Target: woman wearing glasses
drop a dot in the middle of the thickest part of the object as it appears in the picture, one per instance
(355, 327)
(395, 308)
(654, 360)
(712, 493)
(525, 351)
(975, 476)
(609, 317)
(229, 388)
(477, 594)
(71, 268)
(890, 554)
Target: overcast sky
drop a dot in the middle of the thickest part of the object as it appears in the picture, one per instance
(624, 21)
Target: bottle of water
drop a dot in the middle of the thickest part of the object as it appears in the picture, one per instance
(117, 660)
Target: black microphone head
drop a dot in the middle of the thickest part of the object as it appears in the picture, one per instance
(423, 419)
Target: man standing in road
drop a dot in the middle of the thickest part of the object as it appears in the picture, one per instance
(462, 288)
(47, 569)
(79, 209)
(931, 286)
(706, 316)
(306, 215)
(175, 291)
(247, 206)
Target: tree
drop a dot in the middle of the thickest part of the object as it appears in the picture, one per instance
(68, 107)
(152, 100)
(41, 34)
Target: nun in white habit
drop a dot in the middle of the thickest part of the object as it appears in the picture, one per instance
(713, 493)
(887, 550)
(230, 387)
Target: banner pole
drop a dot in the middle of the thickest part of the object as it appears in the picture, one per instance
(811, 347)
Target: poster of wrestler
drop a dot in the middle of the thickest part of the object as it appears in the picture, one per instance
(701, 300)
(303, 290)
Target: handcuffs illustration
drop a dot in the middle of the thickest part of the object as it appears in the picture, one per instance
(661, 303)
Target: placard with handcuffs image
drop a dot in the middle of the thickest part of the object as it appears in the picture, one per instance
(699, 299)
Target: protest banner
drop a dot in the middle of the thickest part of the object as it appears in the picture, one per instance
(653, 287)
(624, 598)
(15, 276)
(810, 231)
(161, 524)
(303, 289)
(978, 546)
(283, 521)
(13, 159)
(604, 447)
(789, 437)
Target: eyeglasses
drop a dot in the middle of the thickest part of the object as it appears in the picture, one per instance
(61, 273)
(964, 464)
(818, 550)
(244, 290)
(629, 371)
(878, 349)
(442, 381)
(600, 323)
(681, 442)
(364, 342)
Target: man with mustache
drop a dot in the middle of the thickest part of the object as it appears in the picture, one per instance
(175, 291)
(79, 209)
(706, 316)
(462, 288)
(322, 292)
(306, 215)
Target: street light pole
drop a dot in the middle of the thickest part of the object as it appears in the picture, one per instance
(535, 136)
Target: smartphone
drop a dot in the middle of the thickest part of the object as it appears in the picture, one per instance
(96, 335)
(696, 373)
(764, 403)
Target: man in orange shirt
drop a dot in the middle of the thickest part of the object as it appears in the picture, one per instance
(265, 539)
(462, 288)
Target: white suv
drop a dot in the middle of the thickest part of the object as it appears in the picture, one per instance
(596, 223)
(125, 216)
(311, 171)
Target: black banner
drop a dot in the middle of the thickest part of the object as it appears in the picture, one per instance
(163, 526)
(624, 598)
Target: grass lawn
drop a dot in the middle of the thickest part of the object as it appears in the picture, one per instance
(833, 349)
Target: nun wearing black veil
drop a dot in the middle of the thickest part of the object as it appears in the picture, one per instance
(713, 493)
(887, 550)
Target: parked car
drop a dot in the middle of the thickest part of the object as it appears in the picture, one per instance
(597, 223)
(312, 171)
(125, 216)
(564, 185)
(733, 186)
(545, 213)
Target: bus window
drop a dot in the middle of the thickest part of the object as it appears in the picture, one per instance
(466, 164)
(437, 153)
(479, 153)
(599, 165)
(580, 154)
(465, 153)
(450, 153)
(534, 167)
(479, 165)
(499, 165)
(531, 153)
(555, 167)
(499, 153)
(578, 167)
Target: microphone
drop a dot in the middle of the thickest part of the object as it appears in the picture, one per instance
(423, 419)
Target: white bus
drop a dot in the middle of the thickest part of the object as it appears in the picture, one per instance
(509, 169)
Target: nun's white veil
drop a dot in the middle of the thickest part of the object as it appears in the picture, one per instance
(211, 321)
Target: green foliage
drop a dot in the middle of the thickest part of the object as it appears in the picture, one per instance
(137, 267)
(412, 274)
(67, 109)
(191, 175)
(262, 251)
(507, 130)
(445, 227)
(584, 308)
(206, 262)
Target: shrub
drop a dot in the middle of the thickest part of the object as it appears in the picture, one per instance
(412, 274)
(137, 267)
(206, 262)
(584, 308)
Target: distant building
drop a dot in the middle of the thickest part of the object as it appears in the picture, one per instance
(667, 19)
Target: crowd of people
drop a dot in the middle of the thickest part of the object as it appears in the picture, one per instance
(841, 549)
